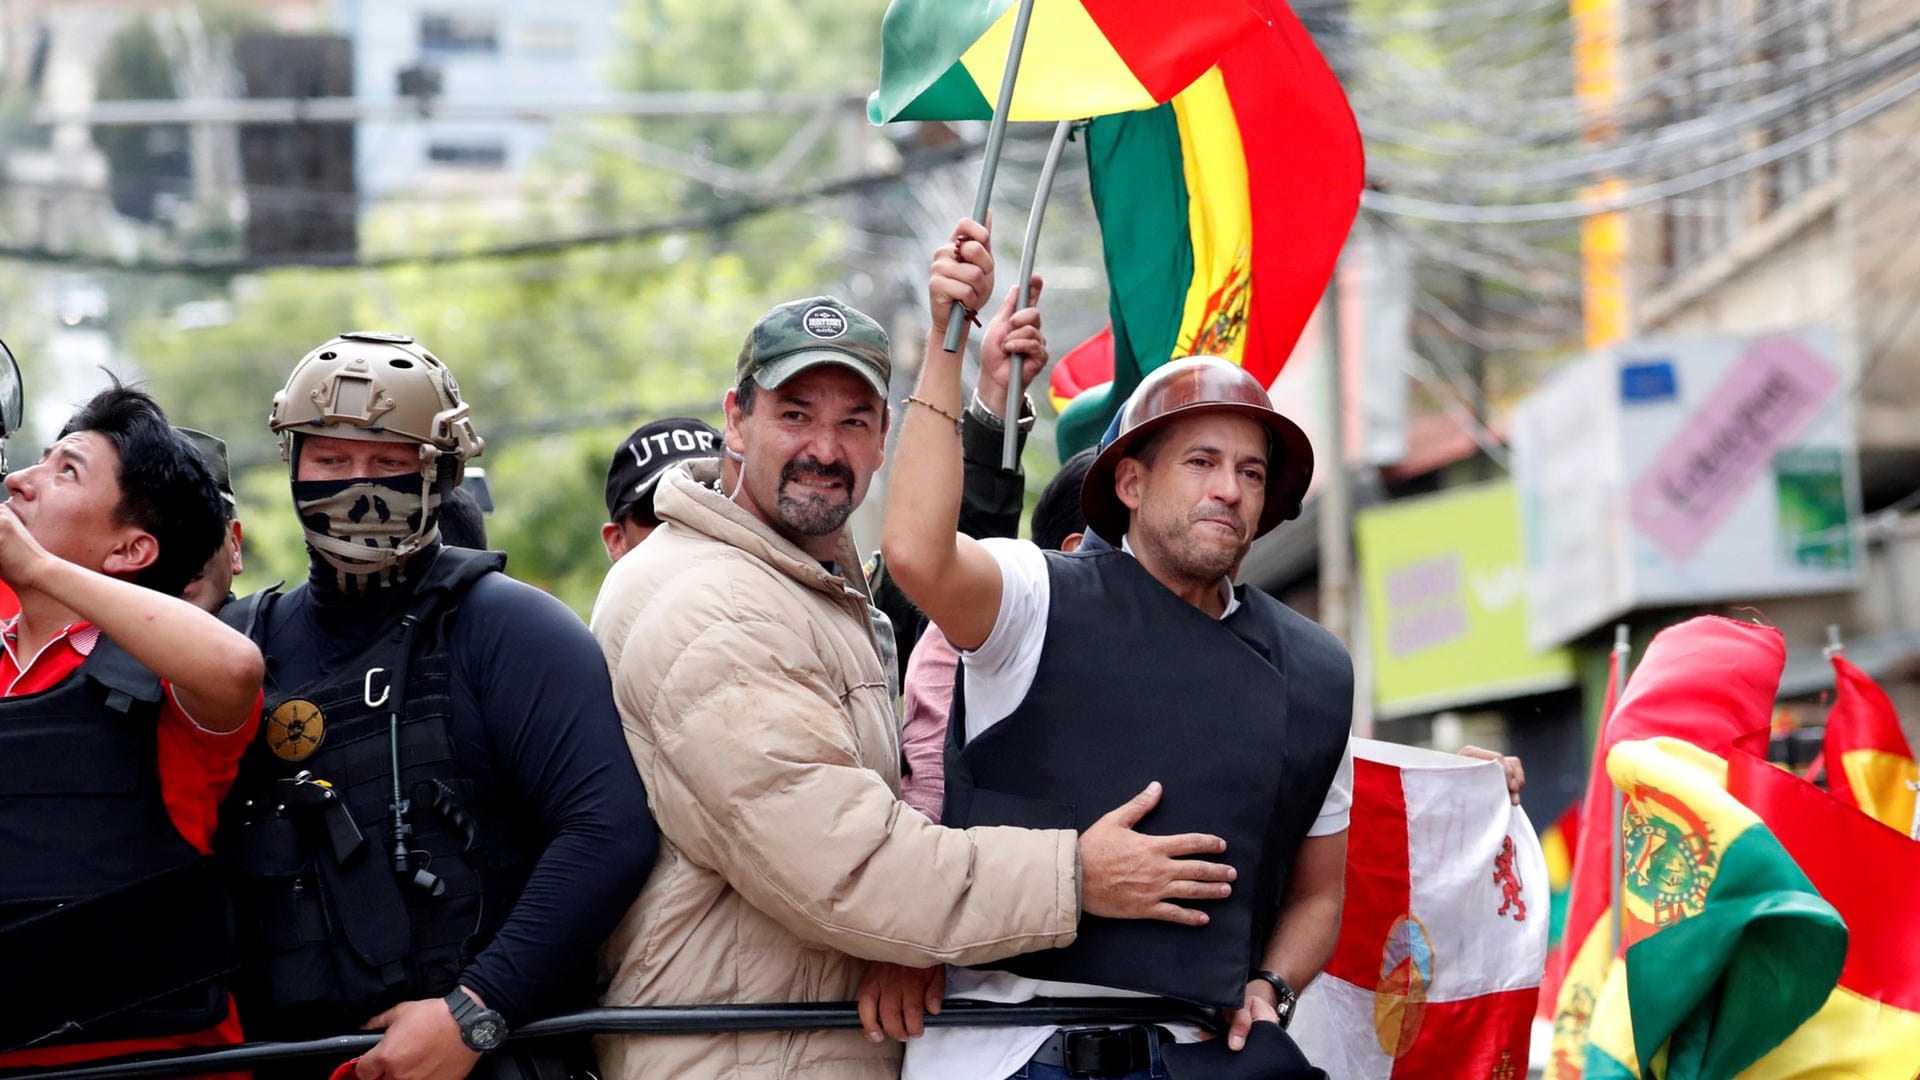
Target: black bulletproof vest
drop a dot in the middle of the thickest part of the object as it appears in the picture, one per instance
(1243, 720)
(335, 929)
(111, 924)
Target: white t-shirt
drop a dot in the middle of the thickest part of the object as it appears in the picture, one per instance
(997, 677)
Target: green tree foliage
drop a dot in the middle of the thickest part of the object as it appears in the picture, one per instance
(560, 355)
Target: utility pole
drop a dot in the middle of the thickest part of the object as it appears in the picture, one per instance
(1336, 489)
(1475, 341)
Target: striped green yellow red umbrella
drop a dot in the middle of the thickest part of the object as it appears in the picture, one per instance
(943, 59)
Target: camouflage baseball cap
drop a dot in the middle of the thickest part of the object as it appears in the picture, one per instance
(819, 330)
(214, 449)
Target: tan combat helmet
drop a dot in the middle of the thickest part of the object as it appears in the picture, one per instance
(378, 387)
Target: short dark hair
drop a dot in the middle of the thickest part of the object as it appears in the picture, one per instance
(462, 523)
(1147, 450)
(1057, 515)
(166, 487)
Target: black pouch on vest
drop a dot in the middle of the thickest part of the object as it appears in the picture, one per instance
(296, 919)
(1270, 1054)
(176, 925)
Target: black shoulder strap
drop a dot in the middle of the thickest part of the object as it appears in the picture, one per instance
(249, 614)
(438, 593)
(127, 682)
(454, 570)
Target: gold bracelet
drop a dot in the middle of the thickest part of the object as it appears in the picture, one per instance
(912, 400)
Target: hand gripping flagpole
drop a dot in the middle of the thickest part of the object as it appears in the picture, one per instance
(1016, 364)
(996, 134)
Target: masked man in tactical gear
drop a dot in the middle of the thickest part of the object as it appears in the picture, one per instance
(1086, 675)
(124, 711)
(439, 823)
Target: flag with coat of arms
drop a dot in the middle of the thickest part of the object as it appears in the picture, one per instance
(1443, 934)
(1709, 681)
(1766, 923)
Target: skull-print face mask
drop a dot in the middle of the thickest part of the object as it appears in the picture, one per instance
(367, 528)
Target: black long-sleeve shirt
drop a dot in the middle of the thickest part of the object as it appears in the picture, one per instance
(535, 727)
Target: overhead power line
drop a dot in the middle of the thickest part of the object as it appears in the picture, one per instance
(1572, 209)
(326, 110)
(1648, 152)
(739, 210)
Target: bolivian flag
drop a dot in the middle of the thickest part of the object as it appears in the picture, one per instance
(1709, 681)
(1869, 1027)
(1222, 214)
(1729, 946)
(943, 59)
(1869, 764)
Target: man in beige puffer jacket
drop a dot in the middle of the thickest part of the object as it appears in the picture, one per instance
(757, 710)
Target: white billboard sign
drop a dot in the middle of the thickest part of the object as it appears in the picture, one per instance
(1686, 471)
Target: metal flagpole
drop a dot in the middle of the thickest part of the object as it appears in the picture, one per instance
(1622, 649)
(1010, 437)
(996, 134)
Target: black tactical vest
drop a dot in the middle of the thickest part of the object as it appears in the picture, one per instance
(1243, 720)
(111, 924)
(336, 926)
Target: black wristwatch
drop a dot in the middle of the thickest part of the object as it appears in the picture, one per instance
(1284, 997)
(481, 1028)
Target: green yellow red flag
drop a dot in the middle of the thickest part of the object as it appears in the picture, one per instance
(1869, 764)
(943, 59)
(1869, 1028)
(1667, 696)
(1707, 902)
(1729, 946)
(1222, 213)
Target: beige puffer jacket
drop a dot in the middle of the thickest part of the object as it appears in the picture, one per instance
(755, 705)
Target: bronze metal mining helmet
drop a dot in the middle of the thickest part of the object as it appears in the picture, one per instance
(1193, 386)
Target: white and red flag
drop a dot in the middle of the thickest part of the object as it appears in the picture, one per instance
(1443, 937)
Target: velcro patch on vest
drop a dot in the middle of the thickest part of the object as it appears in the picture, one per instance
(295, 729)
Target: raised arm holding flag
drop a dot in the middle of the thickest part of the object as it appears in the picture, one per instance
(1090, 58)
(1073, 666)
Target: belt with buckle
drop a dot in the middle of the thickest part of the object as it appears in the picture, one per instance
(1100, 1051)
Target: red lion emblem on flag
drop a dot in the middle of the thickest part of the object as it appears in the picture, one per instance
(1508, 878)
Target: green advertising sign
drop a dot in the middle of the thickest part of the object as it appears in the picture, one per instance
(1446, 596)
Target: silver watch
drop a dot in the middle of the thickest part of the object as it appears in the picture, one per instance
(1284, 997)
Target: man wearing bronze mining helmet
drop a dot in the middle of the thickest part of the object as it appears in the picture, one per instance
(1095, 673)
